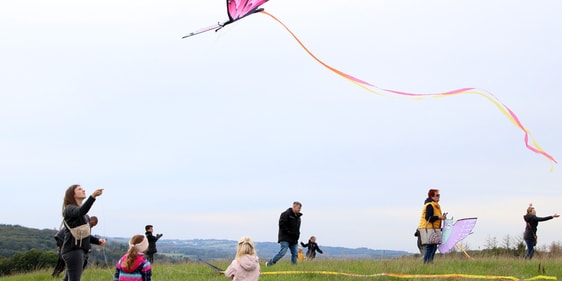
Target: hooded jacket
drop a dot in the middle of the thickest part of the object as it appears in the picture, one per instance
(532, 222)
(140, 271)
(245, 268)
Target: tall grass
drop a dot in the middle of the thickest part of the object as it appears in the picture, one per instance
(328, 270)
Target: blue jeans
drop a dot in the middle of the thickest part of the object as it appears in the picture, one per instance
(284, 246)
(530, 248)
(429, 253)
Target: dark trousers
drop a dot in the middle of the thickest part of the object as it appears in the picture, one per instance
(74, 261)
(150, 257)
(59, 267)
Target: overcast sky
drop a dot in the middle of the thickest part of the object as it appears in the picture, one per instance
(215, 135)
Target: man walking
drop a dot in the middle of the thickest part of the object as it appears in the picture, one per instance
(289, 232)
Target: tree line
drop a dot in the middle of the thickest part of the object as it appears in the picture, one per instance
(24, 249)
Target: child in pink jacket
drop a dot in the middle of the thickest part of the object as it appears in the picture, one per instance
(246, 266)
(133, 266)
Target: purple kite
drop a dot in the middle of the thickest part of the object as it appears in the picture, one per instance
(453, 233)
(237, 9)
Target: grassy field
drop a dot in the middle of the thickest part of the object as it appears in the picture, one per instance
(349, 270)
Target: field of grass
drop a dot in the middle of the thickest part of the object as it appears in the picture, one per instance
(348, 270)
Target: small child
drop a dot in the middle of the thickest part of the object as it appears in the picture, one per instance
(312, 248)
(300, 256)
(245, 266)
(133, 266)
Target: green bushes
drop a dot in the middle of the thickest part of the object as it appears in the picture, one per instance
(29, 261)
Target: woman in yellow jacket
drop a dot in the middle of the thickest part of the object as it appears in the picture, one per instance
(431, 218)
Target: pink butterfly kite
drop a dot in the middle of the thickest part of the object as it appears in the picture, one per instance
(237, 9)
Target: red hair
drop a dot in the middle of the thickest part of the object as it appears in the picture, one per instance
(431, 193)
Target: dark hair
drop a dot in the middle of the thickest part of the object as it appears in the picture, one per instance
(431, 193)
(69, 197)
(93, 221)
(147, 227)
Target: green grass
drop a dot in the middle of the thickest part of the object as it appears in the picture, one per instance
(328, 270)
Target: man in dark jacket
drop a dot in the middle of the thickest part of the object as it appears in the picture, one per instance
(151, 243)
(289, 232)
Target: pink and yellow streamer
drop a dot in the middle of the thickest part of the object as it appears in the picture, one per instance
(411, 276)
(530, 142)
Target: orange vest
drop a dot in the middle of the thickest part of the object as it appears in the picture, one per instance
(436, 212)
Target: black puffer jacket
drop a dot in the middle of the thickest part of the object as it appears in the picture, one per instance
(289, 226)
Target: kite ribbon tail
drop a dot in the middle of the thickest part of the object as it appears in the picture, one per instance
(338, 72)
(533, 146)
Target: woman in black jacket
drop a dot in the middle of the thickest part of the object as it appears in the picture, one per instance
(530, 235)
(75, 249)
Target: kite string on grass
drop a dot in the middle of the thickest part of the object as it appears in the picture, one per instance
(534, 146)
(411, 276)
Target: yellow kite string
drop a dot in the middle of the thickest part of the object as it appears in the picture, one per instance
(534, 146)
(409, 276)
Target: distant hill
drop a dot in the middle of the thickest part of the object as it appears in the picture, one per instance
(220, 249)
(17, 238)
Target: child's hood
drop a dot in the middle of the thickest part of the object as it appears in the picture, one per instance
(138, 261)
(528, 217)
(248, 262)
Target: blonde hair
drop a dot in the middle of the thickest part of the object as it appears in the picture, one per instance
(245, 247)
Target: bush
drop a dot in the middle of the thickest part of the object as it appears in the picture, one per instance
(28, 261)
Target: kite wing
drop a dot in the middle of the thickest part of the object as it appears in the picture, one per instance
(447, 229)
(237, 9)
(456, 232)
